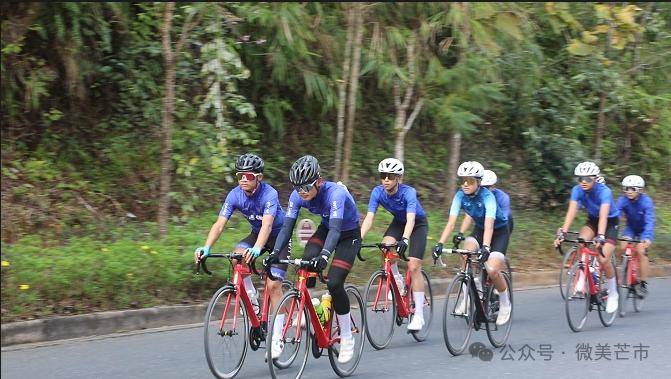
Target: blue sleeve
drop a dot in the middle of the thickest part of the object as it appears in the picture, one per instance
(411, 201)
(606, 196)
(271, 203)
(649, 209)
(576, 193)
(490, 205)
(621, 202)
(295, 203)
(374, 201)
(504, 203)
(228, 206)
(456, 203)
(337, 206)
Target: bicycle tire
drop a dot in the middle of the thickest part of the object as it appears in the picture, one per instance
(357, 312)
(491, 310)
(568, 259)
(212, 328)
(377, 281)
(581, 303)
(456, 344)
(298, 341)
(421, 334)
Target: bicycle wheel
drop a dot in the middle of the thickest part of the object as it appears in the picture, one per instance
(458, 315)
(638, 300)
(606, 318)
(576, 297)
(293, 336)
(225, 333)
(380, 312)
(498, 334)
(624, 287)
(427, 310)
(358, 325)
(567, 262)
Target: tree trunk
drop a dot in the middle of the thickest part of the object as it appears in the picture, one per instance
(600, 126)
(353, 87)
(167, 118)
(399, 149)
(455, 142)
(342, 95)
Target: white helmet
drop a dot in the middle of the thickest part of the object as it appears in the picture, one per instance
(633, 181)
(391, 166)
(586, 169)
(488, 178)
(471, 168)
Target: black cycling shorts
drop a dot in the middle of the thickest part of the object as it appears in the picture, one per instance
(500, 238)
(250, 240)
(417, 237)
(611, 227)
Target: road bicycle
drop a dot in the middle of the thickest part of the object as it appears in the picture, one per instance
(629, 277)
(386, 305)
(468, 307)
(584, 289)
(231, 324)
(302, 331)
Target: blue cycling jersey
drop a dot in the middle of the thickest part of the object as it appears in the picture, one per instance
(503, 202)
(640, 215)
(592, 199)
(479, 205)
(264, 201)
(332, 201)
(401, 203)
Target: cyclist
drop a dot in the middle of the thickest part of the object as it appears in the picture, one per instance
(409, 223)
(259, 203)
(489, 180)
(491, 229)
(640, 213)
(338, 234)
(602, 220)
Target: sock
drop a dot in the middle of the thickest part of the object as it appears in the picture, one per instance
(277, 327)
(612, 285)
(503, 298)
(419, 304)
(580, 286)
(345, 325)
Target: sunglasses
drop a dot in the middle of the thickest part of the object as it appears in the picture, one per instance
(305, 188)
(469, 180)
(586, 179)
(385, 175)
(248, 176)
(631, 189)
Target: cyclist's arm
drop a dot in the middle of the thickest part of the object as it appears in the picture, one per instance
(332, 237)
(466, 224)
(367, 224)
(264, 232)
(604, 209)
(648, 231)
(216, 230)
(570, 215)
(285, 233)
(489, 230)
(452, 219)
(409, 224)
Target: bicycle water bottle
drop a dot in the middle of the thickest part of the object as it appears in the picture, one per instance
(319, 310)
(595, 274)
(326, 307)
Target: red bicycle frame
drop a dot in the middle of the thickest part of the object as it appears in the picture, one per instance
(241, 271)
(587, 254)
(632, 268)
(321, 332)
(404, 310)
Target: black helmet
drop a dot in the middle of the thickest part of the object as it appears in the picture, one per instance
(249, 162)
(304, 171)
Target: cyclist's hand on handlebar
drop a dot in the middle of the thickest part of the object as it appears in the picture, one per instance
(645, 244)
(437, 250)
(273, 257)
(251, 253)
(402, 246)
(458, 238)
(600, 239)
(484, 254)
(560, 237)
(319, 263)
(200, 253)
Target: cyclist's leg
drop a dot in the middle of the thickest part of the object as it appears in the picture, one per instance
(497, 260)
(417, 248)
(472, 242)
(607, 249)
(394, 233)
(278, 271)
(643, 262)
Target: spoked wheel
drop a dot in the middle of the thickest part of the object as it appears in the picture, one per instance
(498, 334)
(357, 326)
(576, 297)
(225, 333)
(567, 262)
(625, 291)
(294, 335)
(458, 315)
(605, 317)
(427, 309)
(380, 312)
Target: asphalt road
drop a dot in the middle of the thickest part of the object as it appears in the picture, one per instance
(541, 345)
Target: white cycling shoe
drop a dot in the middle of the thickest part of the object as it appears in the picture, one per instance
(504, 314)
(346, 350)
(416, 324)
(612, 302)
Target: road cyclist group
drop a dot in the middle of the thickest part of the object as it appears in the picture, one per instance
(292, 324)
